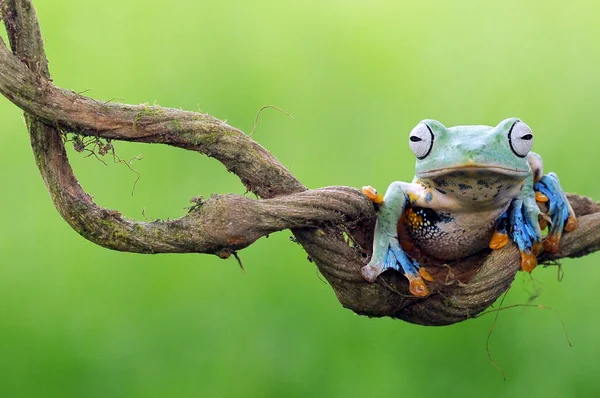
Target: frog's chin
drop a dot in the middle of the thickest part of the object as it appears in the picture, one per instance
(475, 170)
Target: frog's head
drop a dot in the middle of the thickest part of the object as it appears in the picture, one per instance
(468, 155)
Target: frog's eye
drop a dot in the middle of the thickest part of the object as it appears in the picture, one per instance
(520, 138)
(421, 140)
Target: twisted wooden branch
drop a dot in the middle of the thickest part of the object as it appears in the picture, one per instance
(333, 224)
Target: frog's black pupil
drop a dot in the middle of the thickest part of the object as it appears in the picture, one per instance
(414, 138)
(527, 137)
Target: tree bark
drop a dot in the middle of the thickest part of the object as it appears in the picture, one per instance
(333, 224)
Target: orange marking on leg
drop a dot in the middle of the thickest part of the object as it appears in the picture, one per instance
(425, 274)
(528, 261)
(572, 224)
(551, 243)
(540, 197)
(498, 241)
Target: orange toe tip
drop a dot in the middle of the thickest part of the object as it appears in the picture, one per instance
(372, 194)
(528, 261)
(369, 191)
(572, 224)
(498, 241)
(418, 288)
(540, 197)
(551, 244)
(425, 274)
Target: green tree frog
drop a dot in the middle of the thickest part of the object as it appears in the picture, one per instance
(475, 186)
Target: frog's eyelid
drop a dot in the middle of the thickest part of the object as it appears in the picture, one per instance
(418, 140)
(432, 139)
(522, 144)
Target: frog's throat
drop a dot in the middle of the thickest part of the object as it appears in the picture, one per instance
(503, 170)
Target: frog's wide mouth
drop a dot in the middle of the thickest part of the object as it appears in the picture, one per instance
(474, 168)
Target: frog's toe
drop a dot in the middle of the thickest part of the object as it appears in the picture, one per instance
(551, 243)
(528, 261)
(417, 286)
(395, 258)
(371, 271)
(571, 224)
(500, 237)
(399, 260)
(540, 197)
(372, 194)
(425, 274)
(498, 241)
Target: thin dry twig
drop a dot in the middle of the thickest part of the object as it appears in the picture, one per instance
(262, 108)
(487, 340)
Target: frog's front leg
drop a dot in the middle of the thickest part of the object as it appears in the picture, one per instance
(525, 228)
(387, 252)
(560, 213)
(520, 222)
(562, 216)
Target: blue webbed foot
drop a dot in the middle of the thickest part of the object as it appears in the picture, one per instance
(522, 229)
(559, 211)
(398, 260)
(520, 222)
(525, 231)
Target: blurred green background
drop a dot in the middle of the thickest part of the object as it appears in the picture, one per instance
(77, 320)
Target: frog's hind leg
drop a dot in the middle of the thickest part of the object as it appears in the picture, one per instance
(387, 252)
(560, 211)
